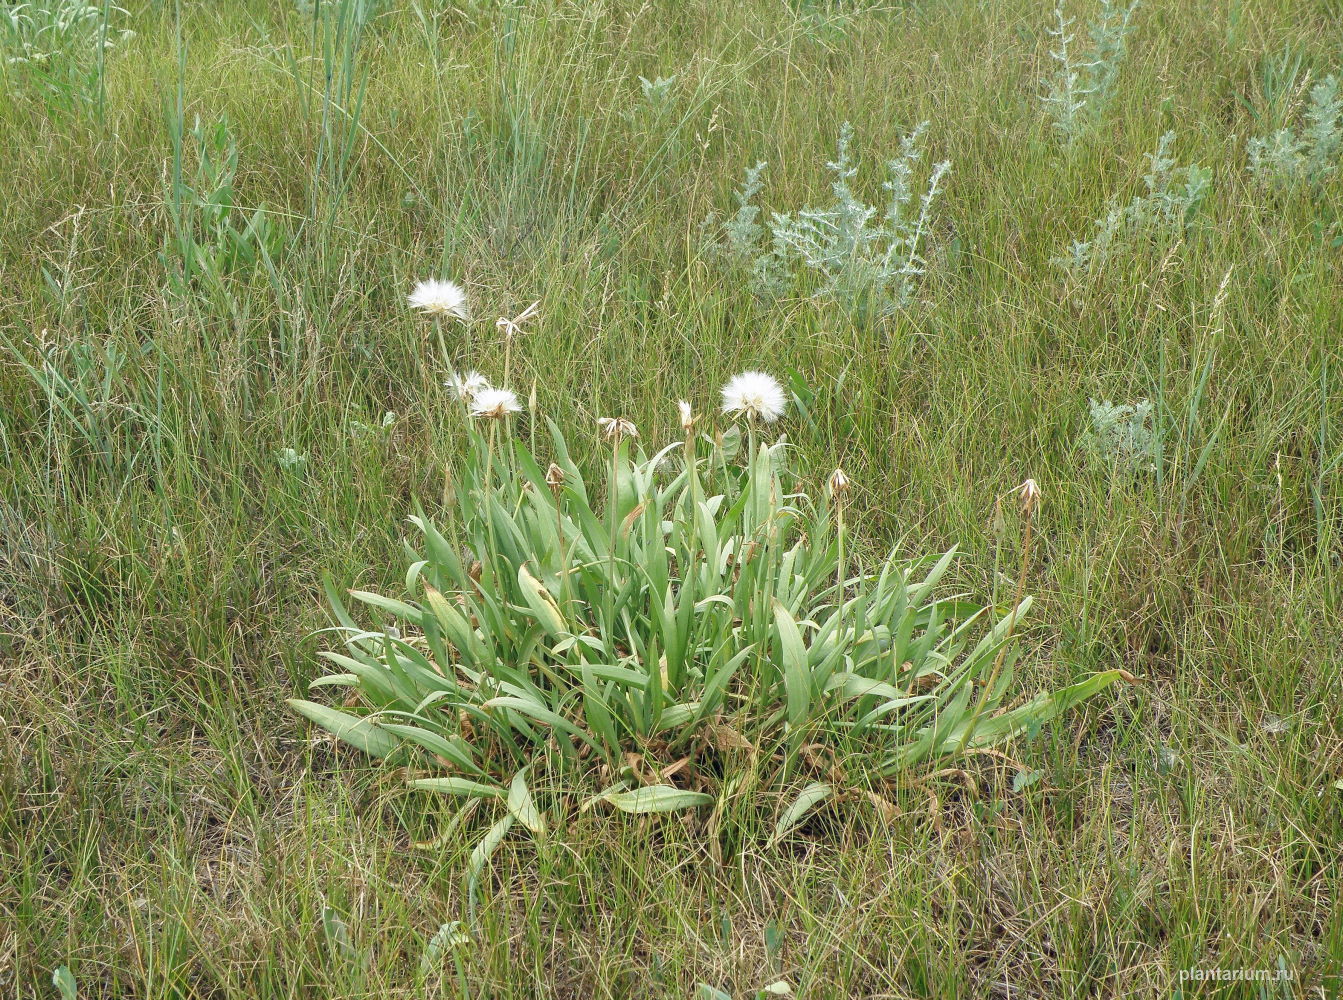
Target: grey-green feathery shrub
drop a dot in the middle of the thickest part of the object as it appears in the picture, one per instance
(1306, 154)
(1124, 436)
(1172, 201)
(1082, 85)
(866, 258)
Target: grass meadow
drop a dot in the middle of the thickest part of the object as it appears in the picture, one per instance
(170, 829)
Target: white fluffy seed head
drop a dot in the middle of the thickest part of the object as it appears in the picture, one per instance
(839, 483)
(494, 404)
(467, 385)
(754, 396)
(439, 299)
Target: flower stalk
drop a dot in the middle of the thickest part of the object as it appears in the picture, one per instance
(615, 430)
(1028, 494)
(555, 480)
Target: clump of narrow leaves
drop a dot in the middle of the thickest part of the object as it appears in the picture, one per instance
(638, 639)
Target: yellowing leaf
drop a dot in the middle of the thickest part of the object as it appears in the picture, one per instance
(541, 604)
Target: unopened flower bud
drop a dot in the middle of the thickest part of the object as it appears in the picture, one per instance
(687, 416)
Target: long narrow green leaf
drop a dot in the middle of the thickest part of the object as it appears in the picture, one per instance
(462, 787)
(657, 799)
(355, 730)
(389, 604)
(796, 672)
(541, 714)
(807, 800)
(523, 806)
(456, 753)
(483, 851)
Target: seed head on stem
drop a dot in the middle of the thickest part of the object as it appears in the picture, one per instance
(441, 300)
(616, 429)
(467, 385)
(555, 480)
(554, 477)
(511, 328)
(756, 398)
(494, 404)
(839, 489)
(1029, 494)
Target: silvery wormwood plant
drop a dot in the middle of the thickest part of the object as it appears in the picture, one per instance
(866, 258)
(1173, 197)
(1309, 153)
(1082, 85)
(644, 640)
(1124, 436)
(657, 92)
